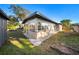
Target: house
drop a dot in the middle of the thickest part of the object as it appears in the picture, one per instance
(75, 27)
(38, 28)
(3, 27)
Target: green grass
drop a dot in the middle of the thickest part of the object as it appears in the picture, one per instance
(18, 44)
(70, 39)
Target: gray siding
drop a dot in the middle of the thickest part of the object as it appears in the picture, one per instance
(3, 31)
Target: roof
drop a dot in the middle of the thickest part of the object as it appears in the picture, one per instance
(38, 15)
(3, 15)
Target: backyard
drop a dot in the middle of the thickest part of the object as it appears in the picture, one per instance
(18, 44)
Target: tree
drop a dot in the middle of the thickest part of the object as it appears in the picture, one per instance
(66, 23)
(12, 18)
(12, 23)
(19, 11)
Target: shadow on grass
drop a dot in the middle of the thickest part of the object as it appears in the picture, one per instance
(19, 36)
(18, 44)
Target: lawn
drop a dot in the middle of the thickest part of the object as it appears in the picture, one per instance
(70, 39)
(18, 44)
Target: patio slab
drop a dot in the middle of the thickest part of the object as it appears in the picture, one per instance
(35, 42)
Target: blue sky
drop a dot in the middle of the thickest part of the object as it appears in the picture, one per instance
(55, 12)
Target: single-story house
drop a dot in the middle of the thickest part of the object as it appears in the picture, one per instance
(75, 27)
(38, 28)
(3, 27)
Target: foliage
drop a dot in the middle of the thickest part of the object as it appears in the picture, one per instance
(66, 23)
(13, 19)
(12, 24)
(19, 11)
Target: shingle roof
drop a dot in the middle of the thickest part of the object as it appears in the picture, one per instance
(2, 14)
(38, 15)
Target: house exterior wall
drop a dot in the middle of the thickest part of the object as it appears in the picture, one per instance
(54, 28)
(76, 28)
(36, 20)
(60, 27)
(3, 32)
(34, 35)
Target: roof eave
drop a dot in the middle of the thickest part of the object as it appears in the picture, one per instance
(3, 14)
(38, 16)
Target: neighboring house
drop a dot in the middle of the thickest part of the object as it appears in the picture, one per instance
(3, 27)
(38, 28)
(75, 27)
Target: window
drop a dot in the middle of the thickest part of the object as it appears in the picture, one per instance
(42, 27)
(32, 28)
(39, 26)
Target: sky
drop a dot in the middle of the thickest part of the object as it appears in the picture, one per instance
(55, 12)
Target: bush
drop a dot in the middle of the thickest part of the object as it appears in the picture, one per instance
(12, 26)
